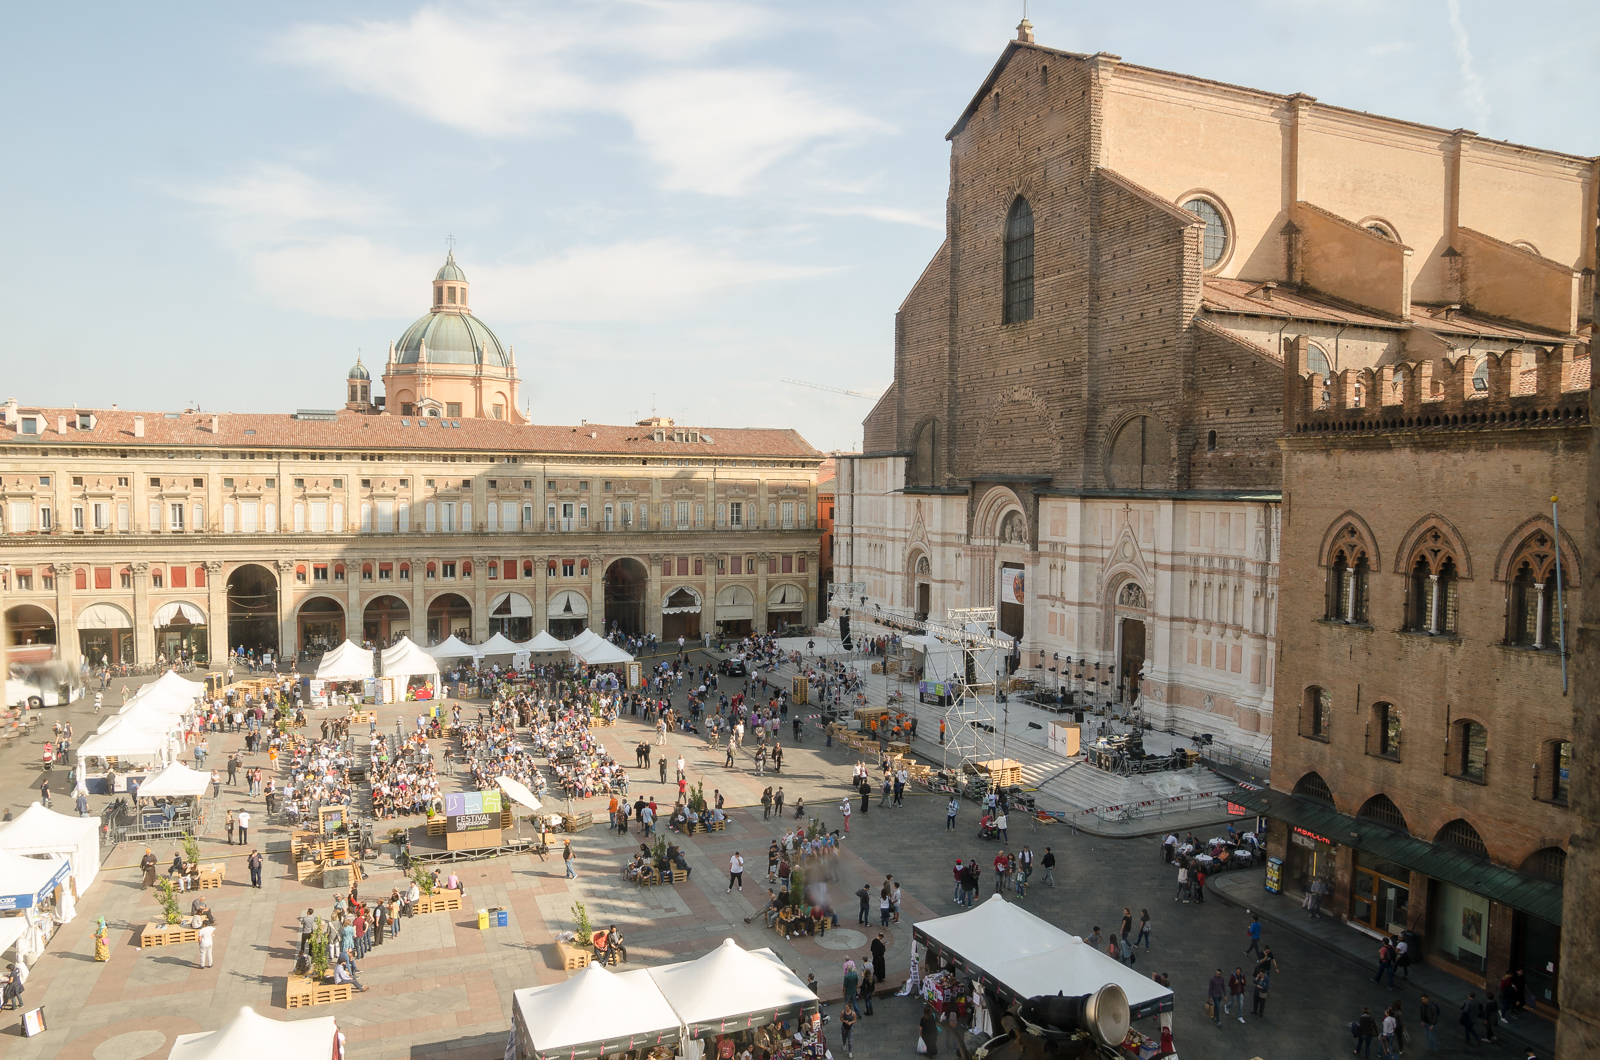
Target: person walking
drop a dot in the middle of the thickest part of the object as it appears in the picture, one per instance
(766, 804)
(1428, 1016)
(1216, 994)
(1199, 886)
(928, 1031)
(1258, 1006)
(1385, 961)
(230, 825)
(736, 873)
(1144, 930)
(148, 864)
(1127, 926)
(844, 811)
(880, 953)
(566, 858)
(848, 1018)
(1049, 863)
(1254, 932)
(206, 935)
(1366, 1030)
(1183, 884)
(1236, 988)
(950, 813)
(244, 828)
(254, 863)
(1469, 1019)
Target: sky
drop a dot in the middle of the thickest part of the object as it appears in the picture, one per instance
(665, 206)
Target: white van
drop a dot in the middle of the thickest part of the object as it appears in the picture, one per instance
(50, 684)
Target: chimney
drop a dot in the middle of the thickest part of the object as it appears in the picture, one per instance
(10, 412)
(61, 424)
(138, 426)
(1025, 32)
(213, 423)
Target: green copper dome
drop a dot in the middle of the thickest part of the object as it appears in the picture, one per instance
(453, 336)
(450, 270)
(359, 371)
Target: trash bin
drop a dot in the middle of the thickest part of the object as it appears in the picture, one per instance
(483, 920)
(502, 918)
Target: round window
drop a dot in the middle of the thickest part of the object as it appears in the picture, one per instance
(1215, 242)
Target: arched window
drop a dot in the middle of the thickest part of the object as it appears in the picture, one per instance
(1382, 809)
(1548, 863)
(1215, 241)
(1316, 713)
(494, 566)
(1480, 377)
(1431, 605)
(1140, 455)
(1317, 361)
(1385, 732)
(1555, 768)
(1533, 620)
(1211, 441)
(1019, 263)
(1347, 585)
(1458, 833)
(199, 577)
(1312, 786)
(1469, 757)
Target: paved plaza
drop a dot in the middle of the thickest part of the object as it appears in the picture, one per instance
(443, 988)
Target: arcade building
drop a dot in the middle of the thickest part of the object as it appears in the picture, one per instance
(126, 536)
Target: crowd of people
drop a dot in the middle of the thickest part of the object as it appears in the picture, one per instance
(403, 776)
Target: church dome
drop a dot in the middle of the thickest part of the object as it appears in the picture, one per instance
(359, 371)
(453, 337)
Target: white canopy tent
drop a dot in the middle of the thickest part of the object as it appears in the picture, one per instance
(1025, 956)
(542, 643)
(406, 659)
(252, 1035)
(348, 662)
(595, 1013)
(12, 929)
(451, 648)
(23, 880)
(600, 652)
(129, 741)
(171, 682)
(519, 793)
(499, 644)
(731, 985)
(175, 781)
(39, 832)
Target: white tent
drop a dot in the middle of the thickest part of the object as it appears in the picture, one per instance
(1025, 956)
(38, 831)
(171, 682)
(175, 781)
(519, 793)
(602, 653)
(733, 986)
(348, 662)
(405, 659)
(453, 648)
(12, 929)
(124, 742)
(252, 1035)
(499, 644)
(23, 880)
(595, 1013)
(543, 642)
(586, 639)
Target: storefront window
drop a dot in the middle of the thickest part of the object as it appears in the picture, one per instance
(1380, 894)
(1460, 926)
(1309, 857)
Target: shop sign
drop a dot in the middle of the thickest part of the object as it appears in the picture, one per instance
(1313, 836)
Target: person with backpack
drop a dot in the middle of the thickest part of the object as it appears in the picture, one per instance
(1236, 988)
(1385, 962)
(1364, 1030)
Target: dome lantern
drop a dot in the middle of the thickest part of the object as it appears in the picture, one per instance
(358, 387)
(450, 287)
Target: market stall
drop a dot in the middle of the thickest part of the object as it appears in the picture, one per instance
(500, 646)
(408, 672)
(348, 662)
(251, 1035)
(732, 989)
(452, 647)
(39, 832)
(544, 644)
(35, 886)
(1016, 955)
(126, 745)
(589, 647)
(595, 1013)
(177, 781)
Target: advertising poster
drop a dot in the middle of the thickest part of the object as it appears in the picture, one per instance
(1275, 875)
(472, 811)
(1013, 587)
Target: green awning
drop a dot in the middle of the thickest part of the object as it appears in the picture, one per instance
(1534, 895)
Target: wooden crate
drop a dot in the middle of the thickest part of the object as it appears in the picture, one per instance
(436, 825)
(301, 991)
(211, 876)
(438, 902)
(1003, 772)
(573, 958)
(166, 935)
(363, 717)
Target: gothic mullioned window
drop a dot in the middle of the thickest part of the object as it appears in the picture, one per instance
(1019, 263)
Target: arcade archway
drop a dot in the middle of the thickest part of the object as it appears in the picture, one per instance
(31, 634)
(321, 624)
(385, 620)
(626, 580)
(512, 615)
(449, 613)
(253, 609)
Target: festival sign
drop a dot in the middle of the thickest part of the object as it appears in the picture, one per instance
(472, 811)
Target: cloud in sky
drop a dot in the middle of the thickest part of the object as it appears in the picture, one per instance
(1471, 84)
(705, 126)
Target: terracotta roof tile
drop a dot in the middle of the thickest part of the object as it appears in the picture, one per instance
(352, 430)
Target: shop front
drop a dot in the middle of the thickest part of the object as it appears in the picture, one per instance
(567, 614)
(105, 634)
(785, 607)
(1380, 894)
(736, 611)
(1458, 932)
(1310, 855)
(680, 615)
(180, 632)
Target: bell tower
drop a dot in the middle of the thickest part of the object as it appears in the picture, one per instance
(358, 389)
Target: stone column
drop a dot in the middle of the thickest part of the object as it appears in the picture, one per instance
(760, 623)
(66, 616)
(652, 595)
(480, 599)
(597, 593)
(144, 649)
(216, 611)
(288, 635)
(353, 614)
(541, 606)
(419, 601)
(708, 607)
(813, 609)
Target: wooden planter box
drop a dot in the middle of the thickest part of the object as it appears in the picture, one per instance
(363, 717)
(302, 991)
(166, 935)
(601, 723)
(574, 958)
(438, 902)
(211, 876)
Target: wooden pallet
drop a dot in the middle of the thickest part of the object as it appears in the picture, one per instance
(573, 958)
(166, 935)
(1003, 772)
(302, 991)
(210, 877)
(438, 902)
